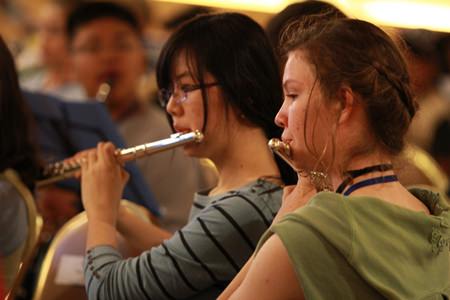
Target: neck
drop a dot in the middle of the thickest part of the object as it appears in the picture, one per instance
(243, 161)
(360, 162)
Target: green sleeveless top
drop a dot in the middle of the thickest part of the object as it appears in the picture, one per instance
(359, 247)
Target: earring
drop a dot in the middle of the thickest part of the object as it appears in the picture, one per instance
(320, 181)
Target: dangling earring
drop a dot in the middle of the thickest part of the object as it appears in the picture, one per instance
(320, 181)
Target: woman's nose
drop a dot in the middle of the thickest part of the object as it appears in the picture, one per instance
(281, 117)
(172, 107)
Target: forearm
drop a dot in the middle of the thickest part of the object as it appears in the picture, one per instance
(140, 234)
(150, 275)
(100, 233)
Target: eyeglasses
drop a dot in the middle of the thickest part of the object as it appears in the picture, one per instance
(164, 95)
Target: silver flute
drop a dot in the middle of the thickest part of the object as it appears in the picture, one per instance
(63, 170)
(282, 150)
(319, 179)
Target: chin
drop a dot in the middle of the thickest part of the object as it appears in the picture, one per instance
(303, 161)
(192, 150)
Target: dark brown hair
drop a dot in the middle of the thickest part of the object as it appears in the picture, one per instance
(297, 11)
(86, 12)
(18, 148)
(235, 50)
(361, 55)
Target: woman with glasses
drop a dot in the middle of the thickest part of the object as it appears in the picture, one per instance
(216, 74)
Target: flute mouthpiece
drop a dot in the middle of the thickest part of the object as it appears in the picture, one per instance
(103, 90)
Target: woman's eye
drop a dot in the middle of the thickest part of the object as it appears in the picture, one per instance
(187, 87)
(291, 97)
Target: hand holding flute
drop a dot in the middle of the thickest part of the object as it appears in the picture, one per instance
(294, 196)
(102, 182)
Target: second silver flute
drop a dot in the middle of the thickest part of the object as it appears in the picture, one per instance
(63, 170)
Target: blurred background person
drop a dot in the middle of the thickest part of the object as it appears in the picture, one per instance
(425, 70)
(53, 73)
(429, 153)
(16, 23)
(440, 147)
(443, 48)
(106, 45)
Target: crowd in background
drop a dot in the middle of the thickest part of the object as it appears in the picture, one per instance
(70, 58)
(35, 33)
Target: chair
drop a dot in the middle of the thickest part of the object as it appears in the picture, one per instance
(419, 168)
(70, 242)
(17, 263)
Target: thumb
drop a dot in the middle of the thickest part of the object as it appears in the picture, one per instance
(125, 175)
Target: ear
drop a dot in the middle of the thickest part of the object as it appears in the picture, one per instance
(347, 103)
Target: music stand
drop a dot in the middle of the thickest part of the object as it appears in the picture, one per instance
(65, 128)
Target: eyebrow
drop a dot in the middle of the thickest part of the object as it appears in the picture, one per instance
(290, 81)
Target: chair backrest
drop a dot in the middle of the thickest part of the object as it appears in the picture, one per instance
(65, 255)
(18, 262)
(420, 168)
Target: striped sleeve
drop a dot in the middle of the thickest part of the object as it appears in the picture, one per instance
(198, 260)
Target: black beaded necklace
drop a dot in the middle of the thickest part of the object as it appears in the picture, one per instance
(352, 174)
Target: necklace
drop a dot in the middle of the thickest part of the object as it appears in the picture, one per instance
(352, 174)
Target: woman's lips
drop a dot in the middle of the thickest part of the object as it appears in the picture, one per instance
(181, 129)
(109, 77)
(285, 139)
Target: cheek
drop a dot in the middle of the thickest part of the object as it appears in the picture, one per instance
(132, 70)
(85, 74)
(219, 124)
(128, 82)
(193, 116)
(133, 66)
(318, 131)
(216, 113)
(135, 61)
(296, 120)
(201, 119)
(84, 67)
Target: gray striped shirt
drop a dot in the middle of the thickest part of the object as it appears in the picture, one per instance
(199, 260)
